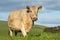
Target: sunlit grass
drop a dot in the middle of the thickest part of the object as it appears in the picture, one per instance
(36, 33)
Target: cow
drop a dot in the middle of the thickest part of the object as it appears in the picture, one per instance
(22, 19)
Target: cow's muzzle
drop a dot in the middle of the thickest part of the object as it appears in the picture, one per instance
(35, 19)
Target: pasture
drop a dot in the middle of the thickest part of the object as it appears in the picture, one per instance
(36, 33)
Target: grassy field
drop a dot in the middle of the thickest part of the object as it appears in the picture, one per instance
(36, 33)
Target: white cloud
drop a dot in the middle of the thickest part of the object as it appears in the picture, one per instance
(16, 4)
(52, 5)
(8, 5)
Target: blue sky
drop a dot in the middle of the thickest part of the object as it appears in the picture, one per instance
(48, 16)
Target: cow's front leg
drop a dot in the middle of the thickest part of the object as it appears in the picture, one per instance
(10, 32)
(23, 31)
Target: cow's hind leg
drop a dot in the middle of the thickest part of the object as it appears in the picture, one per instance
(15, 33)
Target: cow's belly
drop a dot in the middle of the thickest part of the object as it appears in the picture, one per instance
(15, 25)
(14, 28)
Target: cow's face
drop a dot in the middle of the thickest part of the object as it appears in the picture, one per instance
(33, 10)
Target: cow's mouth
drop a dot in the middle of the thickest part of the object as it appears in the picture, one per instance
(35, 19)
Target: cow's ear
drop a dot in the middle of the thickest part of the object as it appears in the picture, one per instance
(28, 7)
(40, 7)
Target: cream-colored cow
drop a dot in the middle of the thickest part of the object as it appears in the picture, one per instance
(22, 20)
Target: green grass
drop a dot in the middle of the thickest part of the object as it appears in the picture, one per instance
(36, 33)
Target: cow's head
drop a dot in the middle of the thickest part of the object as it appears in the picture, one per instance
(33, 10)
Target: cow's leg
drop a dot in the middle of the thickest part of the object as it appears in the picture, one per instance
(10, 32)
(15, 33)
(23, 31)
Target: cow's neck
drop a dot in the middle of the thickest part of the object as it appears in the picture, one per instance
(32, 23)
